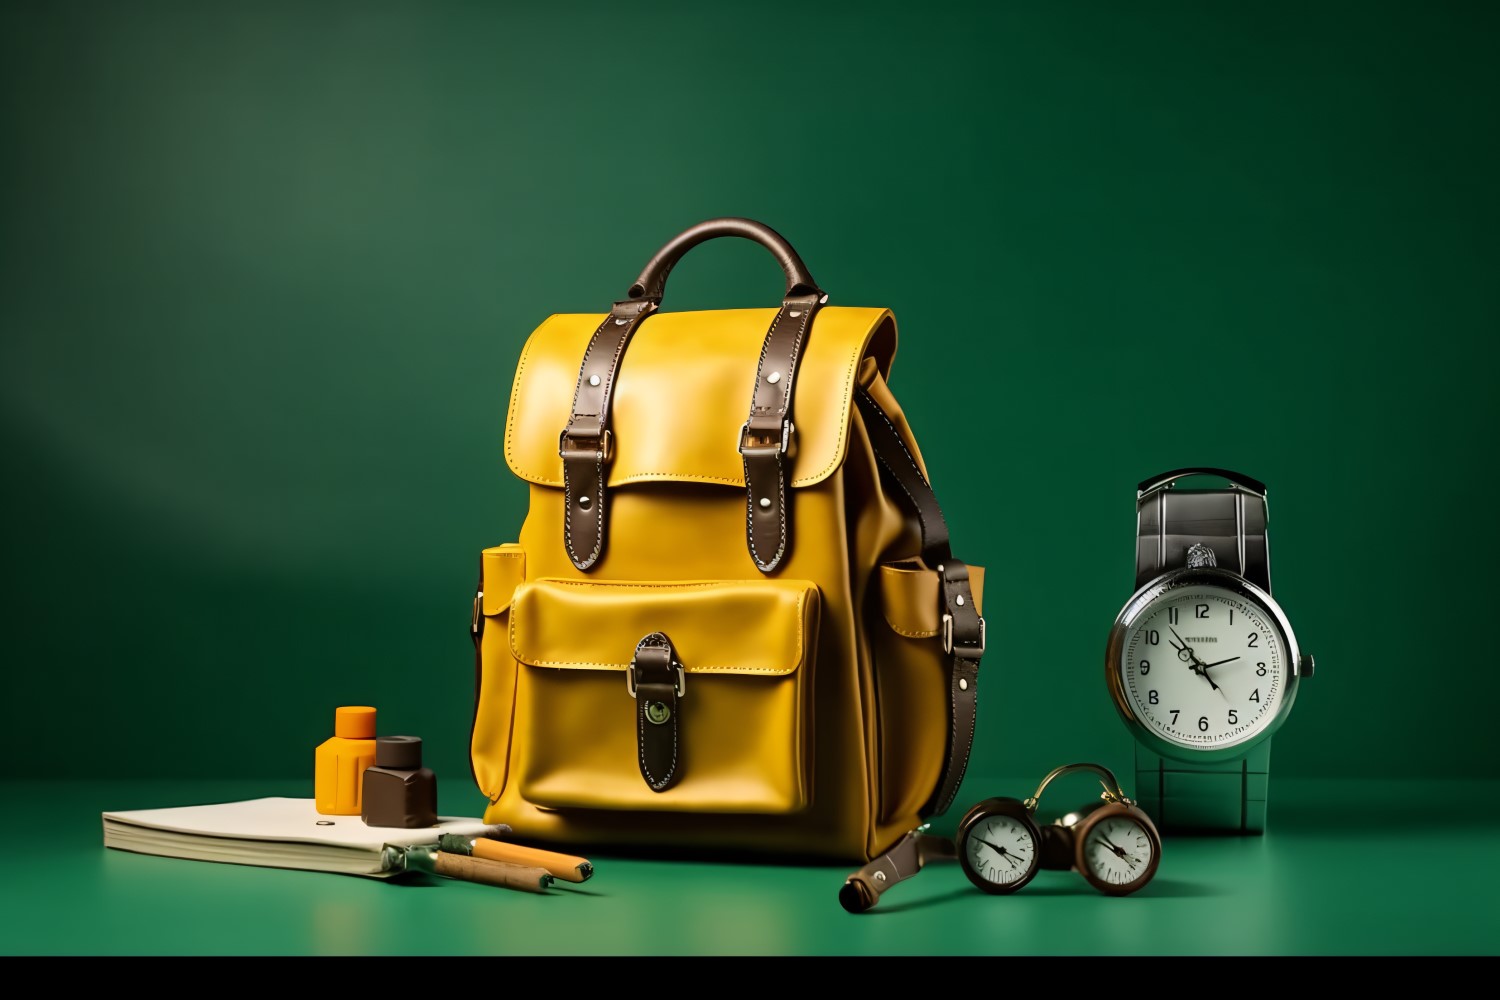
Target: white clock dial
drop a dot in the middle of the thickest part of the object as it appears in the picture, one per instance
(1118, 851)
(1204, 667)
(1000, 849)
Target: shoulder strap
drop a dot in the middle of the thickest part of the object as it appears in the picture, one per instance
(963, 629)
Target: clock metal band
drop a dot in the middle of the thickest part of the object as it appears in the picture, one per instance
(1232, 522)
(1222, 795)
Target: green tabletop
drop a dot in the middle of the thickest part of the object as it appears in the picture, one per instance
(1349, 867)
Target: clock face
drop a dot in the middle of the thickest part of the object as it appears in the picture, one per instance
(1204, 667)
(1000, 850)
(1118, 851)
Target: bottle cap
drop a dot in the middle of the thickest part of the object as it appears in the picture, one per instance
(354, 722)
(402, 752)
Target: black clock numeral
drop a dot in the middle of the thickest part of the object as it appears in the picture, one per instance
(1172, 616)
(1253, 637)
(1260, 670)
(1174, 715)
(1231, 616)
(1233, 718)
(1202, 723)
(1145, 667)
(1153, 637)
(1255, 695)
(1152, 698)
(1200, 611)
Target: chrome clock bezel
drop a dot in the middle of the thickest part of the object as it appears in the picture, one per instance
(1114, 664)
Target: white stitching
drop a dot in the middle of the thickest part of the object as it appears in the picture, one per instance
(599, 485)
(515, 619)
(764, 565)
(641, 720)
(640, 737)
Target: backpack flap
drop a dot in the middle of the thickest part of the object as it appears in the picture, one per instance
(681, 395)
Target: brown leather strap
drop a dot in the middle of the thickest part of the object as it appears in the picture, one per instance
(657, 683)
(863, 888)
(963, 629)
(585, 444)
(767, 435)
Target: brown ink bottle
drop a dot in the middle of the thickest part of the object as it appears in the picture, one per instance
(398, 790)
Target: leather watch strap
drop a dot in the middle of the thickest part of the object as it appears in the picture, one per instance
(1219, 795)
(656, 681)
(767, 435)
(963, 629)
(585, 444)
(1231, 522)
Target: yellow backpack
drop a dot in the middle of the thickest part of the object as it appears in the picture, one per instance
(732, 622)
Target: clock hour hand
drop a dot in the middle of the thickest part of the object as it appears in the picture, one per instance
(998, 850)
(1198, 666)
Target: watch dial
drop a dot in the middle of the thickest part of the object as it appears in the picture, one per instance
(1204, 667)
(1118, 851)
(1000, 849)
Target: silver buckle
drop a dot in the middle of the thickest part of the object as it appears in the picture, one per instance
(966, 652)
(787, 430)
(608, 445)
(680, 686)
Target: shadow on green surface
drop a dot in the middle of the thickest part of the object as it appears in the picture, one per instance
(918, 904)
(1169, 888)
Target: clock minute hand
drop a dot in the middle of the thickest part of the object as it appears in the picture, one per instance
(1205, 666)
(1118, 852)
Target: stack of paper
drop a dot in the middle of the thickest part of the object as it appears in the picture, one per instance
(275, 833)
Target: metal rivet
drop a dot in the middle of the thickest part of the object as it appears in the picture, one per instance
(963, 685)
(593, 380)
(765, 502)
(774, 377)
(657, 712)
(584, 502)
(960, 600)
(325, 822)
(621, 322)
(794, 313)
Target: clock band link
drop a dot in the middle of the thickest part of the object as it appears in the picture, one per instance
(1231, 522)
(1221, 795)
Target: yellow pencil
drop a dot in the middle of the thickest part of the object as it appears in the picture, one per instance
(567, 867)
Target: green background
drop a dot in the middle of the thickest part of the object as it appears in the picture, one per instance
(266, 268)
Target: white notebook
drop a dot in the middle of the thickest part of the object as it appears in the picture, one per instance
(274, 833)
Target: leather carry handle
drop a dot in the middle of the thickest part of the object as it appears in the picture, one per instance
(652, 284)
(586, 444)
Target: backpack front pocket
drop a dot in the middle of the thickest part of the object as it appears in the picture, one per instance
(691, 697)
